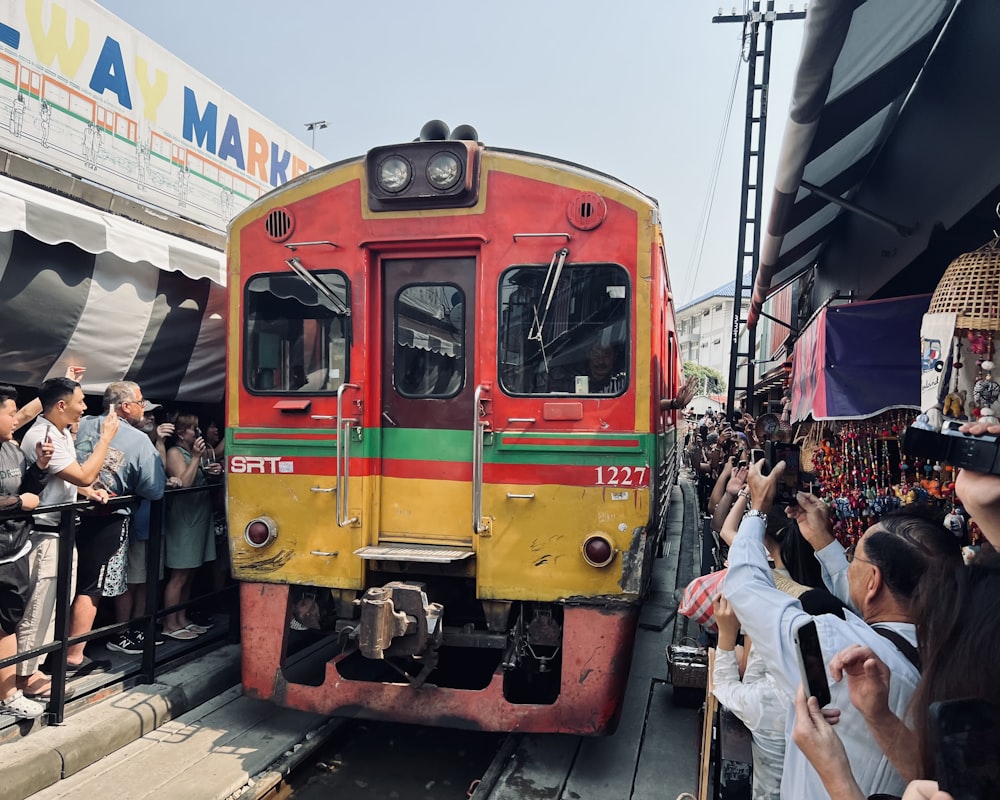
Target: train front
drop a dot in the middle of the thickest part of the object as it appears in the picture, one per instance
(444, 376)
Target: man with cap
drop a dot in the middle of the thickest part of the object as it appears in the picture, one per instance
(131, 467)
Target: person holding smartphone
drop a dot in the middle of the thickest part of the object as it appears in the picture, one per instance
(880, 574)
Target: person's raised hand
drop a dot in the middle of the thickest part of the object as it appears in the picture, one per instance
(819, 742)
(813, 518)
(737, 480)
(43, 453)
(867, 680)
(763, 487)
(109, 426)
(725, 618)
(925, 790)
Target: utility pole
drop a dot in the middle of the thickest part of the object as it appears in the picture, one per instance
(758, 57)
(315, 126)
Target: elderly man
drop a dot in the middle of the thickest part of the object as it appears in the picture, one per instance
(878, 576)
(132, 467)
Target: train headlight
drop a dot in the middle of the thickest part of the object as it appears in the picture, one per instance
(394, 174)
(260, 532)
(425, 174)
(443, 170)
(598, 550)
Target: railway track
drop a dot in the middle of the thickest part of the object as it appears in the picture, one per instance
(357, 759)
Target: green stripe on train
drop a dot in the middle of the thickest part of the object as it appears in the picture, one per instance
(421, 444)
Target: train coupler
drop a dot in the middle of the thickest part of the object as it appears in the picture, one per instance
(397, 620)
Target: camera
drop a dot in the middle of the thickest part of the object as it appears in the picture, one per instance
(789, 485)
(978, 453)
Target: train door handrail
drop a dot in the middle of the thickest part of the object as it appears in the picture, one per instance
(343, 449)
(478, 434)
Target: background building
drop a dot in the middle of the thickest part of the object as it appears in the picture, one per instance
(704, 327)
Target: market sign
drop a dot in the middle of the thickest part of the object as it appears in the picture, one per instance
(85, 92)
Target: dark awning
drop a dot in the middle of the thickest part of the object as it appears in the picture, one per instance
(891, 111)
(858, 360)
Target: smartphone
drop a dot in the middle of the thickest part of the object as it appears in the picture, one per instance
(111, 408)
(964, 734)
(812, 665)
(789, 486)
(48, 434)
(756, 455)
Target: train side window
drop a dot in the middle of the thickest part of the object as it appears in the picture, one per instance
(572, 338)
(429, 347)
(297, 335)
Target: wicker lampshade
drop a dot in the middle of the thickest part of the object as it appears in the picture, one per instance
(970, 288)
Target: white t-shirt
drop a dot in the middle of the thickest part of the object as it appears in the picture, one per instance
(57, 490)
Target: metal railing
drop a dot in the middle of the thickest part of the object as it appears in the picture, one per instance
(146, 672)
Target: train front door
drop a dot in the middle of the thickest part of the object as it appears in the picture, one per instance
(427, 400)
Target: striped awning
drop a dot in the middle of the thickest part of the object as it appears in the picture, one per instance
(61, 305)
(53, 219)
(859, 64)
(81, 286)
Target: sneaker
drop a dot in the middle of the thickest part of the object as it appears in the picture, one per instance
(140, 638)
(20, 706)
(126, 642)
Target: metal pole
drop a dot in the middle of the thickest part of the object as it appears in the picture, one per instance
(315, 126)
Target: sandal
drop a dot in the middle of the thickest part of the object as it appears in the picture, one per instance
(195, 628)
(181, 633)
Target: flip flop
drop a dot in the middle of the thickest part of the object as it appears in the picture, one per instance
(47, 694)
(87, 666)
(183, 634)
(196, 629)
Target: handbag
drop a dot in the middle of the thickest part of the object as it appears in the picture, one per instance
(696, 602)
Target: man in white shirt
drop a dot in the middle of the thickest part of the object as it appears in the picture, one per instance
(63, 405)
(879, 574)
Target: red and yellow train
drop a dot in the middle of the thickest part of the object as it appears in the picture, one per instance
(449, 450)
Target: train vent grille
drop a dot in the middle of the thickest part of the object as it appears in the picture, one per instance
(586, 211)
(279, 225)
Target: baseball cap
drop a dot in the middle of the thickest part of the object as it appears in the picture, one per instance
(148, 406)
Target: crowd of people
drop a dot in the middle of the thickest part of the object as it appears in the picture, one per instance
(904, 623)
(66, 457)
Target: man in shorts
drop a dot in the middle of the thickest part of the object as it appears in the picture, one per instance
(131, 467)
(19, 488)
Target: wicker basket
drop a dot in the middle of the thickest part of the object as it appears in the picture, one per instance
(687, 664)
(970, 288)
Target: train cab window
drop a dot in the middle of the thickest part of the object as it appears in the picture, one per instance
(297, 333)
(429, 347)
(564, 332)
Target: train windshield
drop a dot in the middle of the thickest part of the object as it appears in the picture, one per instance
(297, 333)
(568, 339)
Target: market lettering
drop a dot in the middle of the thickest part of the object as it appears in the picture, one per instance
(51, 45)
(201, 127)
(109, 73)
(152, 92)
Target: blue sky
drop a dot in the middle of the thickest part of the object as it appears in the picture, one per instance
(639, 89)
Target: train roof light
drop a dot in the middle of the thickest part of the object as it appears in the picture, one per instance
(441, 174)
(443, 170)
(394, 174)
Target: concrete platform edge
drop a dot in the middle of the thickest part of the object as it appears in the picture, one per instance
(47, 756)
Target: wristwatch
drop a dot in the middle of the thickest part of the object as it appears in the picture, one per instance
(744, 492)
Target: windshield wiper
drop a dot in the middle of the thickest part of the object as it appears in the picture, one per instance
(339, 307)
(549, 292)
